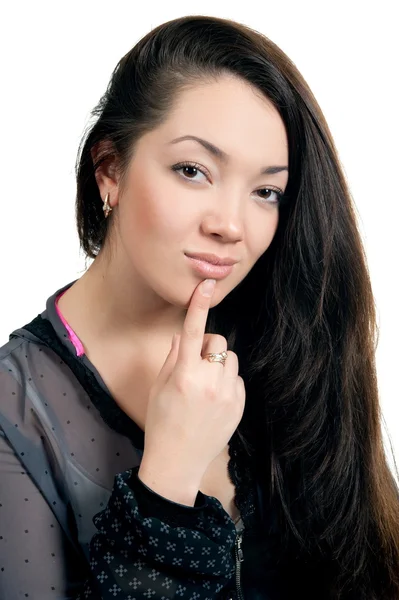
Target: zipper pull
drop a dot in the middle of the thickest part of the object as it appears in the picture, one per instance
(239, 549)
(239, 560)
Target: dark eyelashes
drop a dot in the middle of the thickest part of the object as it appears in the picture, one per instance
(190, 164)
(281, 198)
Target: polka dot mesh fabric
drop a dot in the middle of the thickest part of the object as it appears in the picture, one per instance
(75, 520)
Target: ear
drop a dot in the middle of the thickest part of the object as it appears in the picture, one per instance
(107, 175)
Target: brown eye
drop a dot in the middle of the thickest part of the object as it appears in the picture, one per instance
(278, 194)
(265, 190)
(190, 170)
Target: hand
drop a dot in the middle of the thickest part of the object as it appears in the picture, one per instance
(194, 405)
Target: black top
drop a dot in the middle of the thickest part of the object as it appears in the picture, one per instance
(76, 521)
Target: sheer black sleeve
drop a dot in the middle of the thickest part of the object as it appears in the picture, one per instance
(36, 560)
(150, 547)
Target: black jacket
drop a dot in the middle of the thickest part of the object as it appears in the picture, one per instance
(141, 545)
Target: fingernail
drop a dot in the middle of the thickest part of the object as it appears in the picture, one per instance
(207, 287)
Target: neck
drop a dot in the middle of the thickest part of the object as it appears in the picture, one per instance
(112, 306)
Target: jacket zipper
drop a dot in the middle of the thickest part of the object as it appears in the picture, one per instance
(239, 559)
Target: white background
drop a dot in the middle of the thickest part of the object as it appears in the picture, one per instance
(56, 60)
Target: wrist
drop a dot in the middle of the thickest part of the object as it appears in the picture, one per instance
(173, 486)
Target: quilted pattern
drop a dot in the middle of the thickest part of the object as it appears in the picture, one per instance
(187, 554)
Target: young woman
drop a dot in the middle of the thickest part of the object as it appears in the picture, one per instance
(263, 476)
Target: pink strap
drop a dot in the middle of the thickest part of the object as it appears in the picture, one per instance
(72, 335)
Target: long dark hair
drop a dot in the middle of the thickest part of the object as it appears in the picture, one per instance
(303, 322)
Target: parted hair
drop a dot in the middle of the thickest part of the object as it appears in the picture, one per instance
(302, 322)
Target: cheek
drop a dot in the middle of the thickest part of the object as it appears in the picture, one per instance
(158, 218)
(154, 215)
(261, 234)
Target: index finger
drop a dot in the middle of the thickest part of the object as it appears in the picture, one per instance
(192, 335)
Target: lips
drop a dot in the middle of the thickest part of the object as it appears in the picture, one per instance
(213, 259)
(208, 270)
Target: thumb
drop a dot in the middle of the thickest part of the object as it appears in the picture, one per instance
(169, 363)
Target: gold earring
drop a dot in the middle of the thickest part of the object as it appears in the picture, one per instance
(106, 207)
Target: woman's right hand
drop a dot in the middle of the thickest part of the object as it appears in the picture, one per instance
(194, 405)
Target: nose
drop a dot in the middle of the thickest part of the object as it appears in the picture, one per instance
(225, 221)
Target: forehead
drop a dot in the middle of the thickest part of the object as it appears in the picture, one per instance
(232, 114)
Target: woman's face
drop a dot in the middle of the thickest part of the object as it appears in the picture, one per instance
(221, 206)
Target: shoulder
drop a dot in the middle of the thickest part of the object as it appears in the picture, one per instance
(33, 378)
(22, 362)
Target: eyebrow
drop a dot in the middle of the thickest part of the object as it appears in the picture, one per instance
(223, 156)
